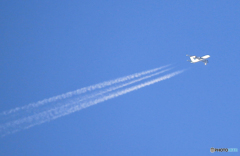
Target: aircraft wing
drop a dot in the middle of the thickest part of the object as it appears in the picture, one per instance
(205, 62)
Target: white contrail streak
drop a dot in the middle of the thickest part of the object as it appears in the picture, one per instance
(111, 89)
(49, 115)
(82, 90)
(44, 114)
(113, 95)
(69, 102)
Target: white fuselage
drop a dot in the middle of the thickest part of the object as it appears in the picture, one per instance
(195, 59)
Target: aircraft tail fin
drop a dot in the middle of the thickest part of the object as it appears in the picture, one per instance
(192, 58)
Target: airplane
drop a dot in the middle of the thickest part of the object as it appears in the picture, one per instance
(195, 59)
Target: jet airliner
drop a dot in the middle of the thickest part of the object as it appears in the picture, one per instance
(195, 59)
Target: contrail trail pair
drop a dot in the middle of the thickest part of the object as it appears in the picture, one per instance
(82, 90)
(77, 104)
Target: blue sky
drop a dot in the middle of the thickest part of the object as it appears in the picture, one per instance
(52, 47)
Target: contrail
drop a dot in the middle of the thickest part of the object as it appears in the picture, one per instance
(68, 102)
(108, 90)
(82, 90)
(52, 114)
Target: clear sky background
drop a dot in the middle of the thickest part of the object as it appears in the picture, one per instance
(51, 47)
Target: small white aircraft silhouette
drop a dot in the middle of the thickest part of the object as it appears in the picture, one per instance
(195, 59)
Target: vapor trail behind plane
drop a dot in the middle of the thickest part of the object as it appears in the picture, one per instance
(76, 105)
(101, 92)
(82, 90)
